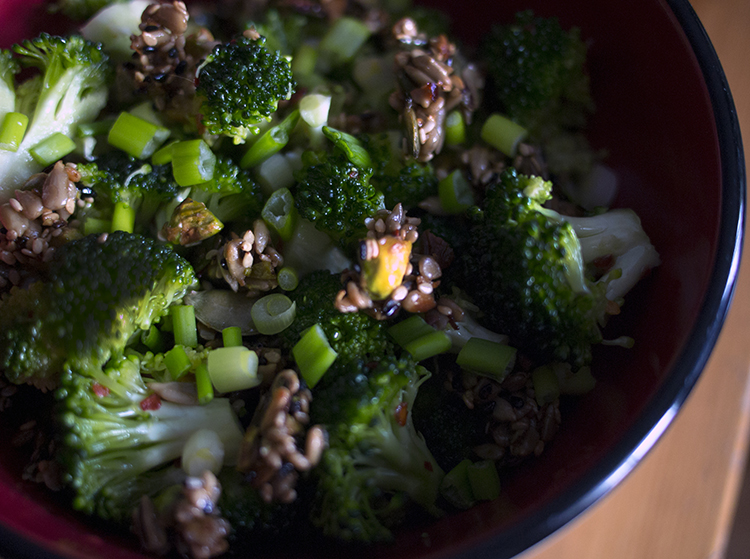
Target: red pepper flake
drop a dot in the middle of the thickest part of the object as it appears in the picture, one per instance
(100, 390)
(401, 413)
(428, 466)
(152, 403)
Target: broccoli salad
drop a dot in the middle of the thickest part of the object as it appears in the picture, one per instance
(272, 265)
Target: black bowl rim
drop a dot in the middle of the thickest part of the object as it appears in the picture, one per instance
(661, 410)
(664, 406)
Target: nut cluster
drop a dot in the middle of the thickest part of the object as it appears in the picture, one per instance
(415, 291)
(192, 521)
(271, 452)
(249, 261)
(429, 88)
(36, 220)
(164, 60)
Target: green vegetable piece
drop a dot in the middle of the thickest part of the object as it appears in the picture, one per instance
(351, 146)
(233, 368)
(546, 385)
(93, 129)
(203, 384)
(12, 130)
(177, 362)
(273, 313)
(184, 325)
(231, 336)
(153, 339)
(135, 136)
(578, 383)
(313, 355)
(434, 343)
(456, 487)
(484, 480)
(193, 162)
(163, 155)
(344, 38)
(123, 218)
(270, 142)
(51, 149)
(280, 214)
(487, 358)
(455, 128)
(287, 278)
(503, 134)
(455, 193)
(410, 329)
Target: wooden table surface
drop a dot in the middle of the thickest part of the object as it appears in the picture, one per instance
(680, 500)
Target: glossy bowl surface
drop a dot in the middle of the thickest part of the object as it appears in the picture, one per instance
(666, 118)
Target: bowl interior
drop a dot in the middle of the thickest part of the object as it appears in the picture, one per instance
(655, 119)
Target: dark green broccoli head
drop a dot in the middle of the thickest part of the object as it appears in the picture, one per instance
(536, 73)
(401, 180)
(240, 85)
(376, 464)
(336, 196)
(96, 297)
(523, 267)
(351, 335)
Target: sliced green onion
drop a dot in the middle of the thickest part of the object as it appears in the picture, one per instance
(153, 339)
(408, 330)
(273, 313)
(233, 368)
(343, 40)
(455, 193)
(136, 136)
(12, 130)
(183, 325)
(350, 145)
(455, 128)
(434, 343)
(163, 155)
(546, 385)
(202, 451)
(177, 362)
(97, 128)
(123, 218)
(484, 480)
(314, 108)
(580, 382)
(193, 162)
(502, 133)
(203, 384)
(313, 355)
(487, 358)
(456, 488)
(52, 149)
(270, 142)
(231, 336)
(287, 278)
(280, 214)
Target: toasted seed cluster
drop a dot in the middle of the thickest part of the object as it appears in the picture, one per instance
(278, 444)
(192, 523)
(415, 293)
(36, 221)
(165, 60)
(430, 87)
(249, 261)
(517, 426)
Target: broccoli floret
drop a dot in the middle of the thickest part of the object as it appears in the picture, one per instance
(119, 442)
(240, 86)
(401, 180)
(526, 266)
(536, 73)
(151, 191)
(70, 88)
(376, 463)
(351, 335)
(96, 297)
(336, 195)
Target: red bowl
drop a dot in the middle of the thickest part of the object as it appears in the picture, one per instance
(667, 120)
